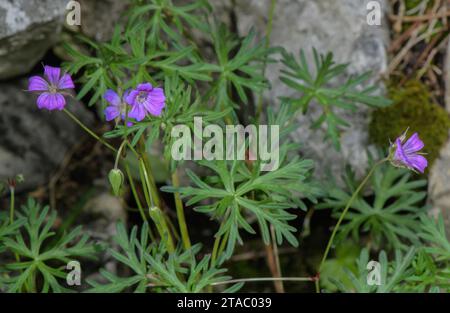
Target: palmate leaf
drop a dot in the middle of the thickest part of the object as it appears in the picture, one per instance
(155, 270)
(163, 17)
(429, 273)
(393, 274)
(240, 71)
(234, 192)
(432, 264)
(316, 87)
(433, 232)
(390, 216)
(42, 255)
(8, 229)
(110, 65)
(182, 105)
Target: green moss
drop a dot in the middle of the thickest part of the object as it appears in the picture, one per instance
(412, 107)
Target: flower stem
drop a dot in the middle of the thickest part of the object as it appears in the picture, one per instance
(145, 184)
(119, 152)
(11, 208)
(262, 279)
(135, 195)
(86, 129)
(160, 221)
(274, 261)
(180, 212)
(217, 246)
(341, 218)
(149, 173)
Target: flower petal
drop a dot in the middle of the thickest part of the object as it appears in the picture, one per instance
(155, 102)
(111, 112)
(157, 96)
(66, 82)
(399, 154)
(413, 144)
(153, 109)
(144, 87)
(52, 74)
(51, 101)
(137, 112)
(418, 162)
(130, 98)
(42, 100)
(112, 97)
(37, 83)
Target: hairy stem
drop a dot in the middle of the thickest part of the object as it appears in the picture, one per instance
(262, 279)
(341, 218)
(161, 225)
(149, 173)
(136, 197)
(180, 213)
(11, 207)
(273, 259)
(90, 132)
(216, 247)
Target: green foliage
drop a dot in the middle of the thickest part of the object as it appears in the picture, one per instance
(432, 264)
(154, 269)
(298, 76)
(235, 192)
(139, 48)
(333, 268)
(154, 56)
(390, 216)
(182, 107)
(240, 66)
(412, 108)
(157, 44)
(7, 229)
(428, 274)
(392, 274)
(41, 256)
(425, 271)
(162, 17)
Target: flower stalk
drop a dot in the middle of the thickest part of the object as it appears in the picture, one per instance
(341, 218)
(180, 213)
(90, 132)
(12, 204)
(163, 230)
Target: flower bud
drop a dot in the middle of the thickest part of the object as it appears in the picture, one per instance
(19, 178)
(116, 179)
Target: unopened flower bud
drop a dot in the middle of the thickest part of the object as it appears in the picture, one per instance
(19, 178)
(116, 179)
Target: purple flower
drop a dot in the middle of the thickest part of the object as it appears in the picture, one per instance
(145, 99)
(117, 107)
(407, 153)
(51, 89)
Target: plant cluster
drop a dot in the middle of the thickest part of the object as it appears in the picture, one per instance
(152, 76)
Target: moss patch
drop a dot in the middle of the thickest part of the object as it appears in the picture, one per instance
(412, 107)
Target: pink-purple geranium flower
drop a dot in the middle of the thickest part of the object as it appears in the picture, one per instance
(145, 99)
(406, 154)
(116, 107)
(52, 89)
